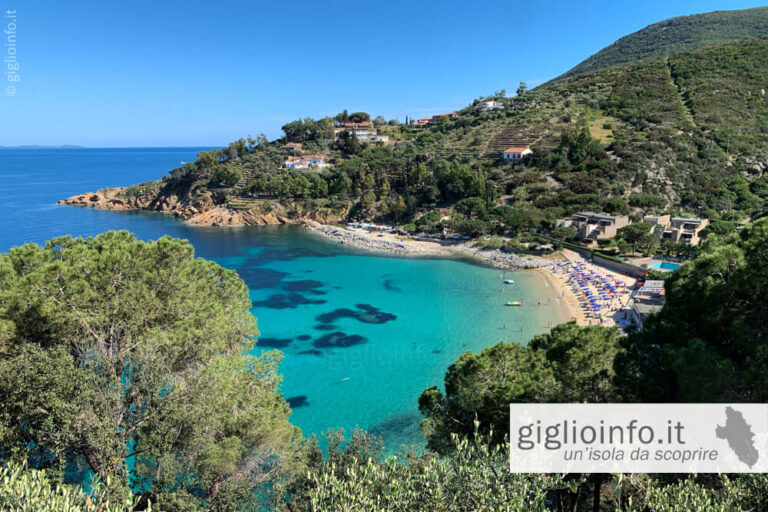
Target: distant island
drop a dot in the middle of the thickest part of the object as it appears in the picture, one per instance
(63, 146)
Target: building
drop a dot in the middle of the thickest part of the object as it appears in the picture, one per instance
(292, 147)
(361, 130)
(490, 105)
(516, 154)
(439, 117)
(379, 138)
(647, 300)
(307, 162)
(677, 229)
(593, 226)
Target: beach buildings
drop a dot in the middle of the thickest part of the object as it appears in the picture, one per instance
(647, 300)
(591, 226)
(516, 154)
(677, 229)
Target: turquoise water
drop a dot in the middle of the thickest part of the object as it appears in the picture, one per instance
(362, 335)
(665, 265)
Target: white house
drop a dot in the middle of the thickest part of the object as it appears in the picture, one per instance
(307, 162)
(516, 154)
(361, 130)
(490, 105)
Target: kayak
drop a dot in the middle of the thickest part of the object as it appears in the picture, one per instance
(514, 303)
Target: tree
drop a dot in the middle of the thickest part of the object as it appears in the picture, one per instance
(359, 117)
(472, 207)
(632, 233)
(112, 348)
(564, 233)
(522, 88)
(226, 176)
(570, 363)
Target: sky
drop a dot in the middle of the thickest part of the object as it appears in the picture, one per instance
(203, 73)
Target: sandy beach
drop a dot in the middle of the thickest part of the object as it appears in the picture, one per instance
(612, 312)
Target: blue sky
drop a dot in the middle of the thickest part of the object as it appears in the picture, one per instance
(195, 73)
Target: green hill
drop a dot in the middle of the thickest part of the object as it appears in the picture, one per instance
(687, 134)
(676, 35)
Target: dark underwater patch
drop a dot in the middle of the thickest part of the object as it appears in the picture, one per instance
(397, 427)
(389, 284)
(274, 342)
(311, 352)
(303, 337)
(306, 285)
(436, 351)
(366, 314)
(290, 300)
(339, 339)
(325, 327)
(270, 254)
(260, 278)
(298, 401)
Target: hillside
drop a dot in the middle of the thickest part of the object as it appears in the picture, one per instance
(686, 135)
(675, 35)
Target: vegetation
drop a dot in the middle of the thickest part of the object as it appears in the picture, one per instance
(35, 491)
(127, 359)
(676, 35)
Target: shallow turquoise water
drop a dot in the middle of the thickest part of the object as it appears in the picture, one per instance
(362, 335)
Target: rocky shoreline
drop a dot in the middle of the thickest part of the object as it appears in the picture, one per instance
(387, 245)
(200, 212)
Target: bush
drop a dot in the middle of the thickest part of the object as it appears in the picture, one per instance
(33, 490)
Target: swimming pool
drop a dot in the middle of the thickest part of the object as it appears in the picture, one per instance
(663, 265)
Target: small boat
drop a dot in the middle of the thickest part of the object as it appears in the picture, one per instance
(514, 303)
(509, 281)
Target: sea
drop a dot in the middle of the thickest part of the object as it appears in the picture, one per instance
(362, 334)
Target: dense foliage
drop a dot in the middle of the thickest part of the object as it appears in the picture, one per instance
(34, 491)
(127, 359)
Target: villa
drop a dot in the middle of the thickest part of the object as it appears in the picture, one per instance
(592, 226)
(490, 105)
(677, 229)
(307, 162)
(361, 130)
(516, 154)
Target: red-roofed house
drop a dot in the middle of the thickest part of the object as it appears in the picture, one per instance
(516, 154)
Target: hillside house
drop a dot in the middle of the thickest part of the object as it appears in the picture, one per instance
(361, 130)
(677, 229)
(490, 105)
(516, 154)
(307, 162)
(292, 147)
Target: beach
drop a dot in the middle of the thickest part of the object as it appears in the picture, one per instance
(383, 241)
